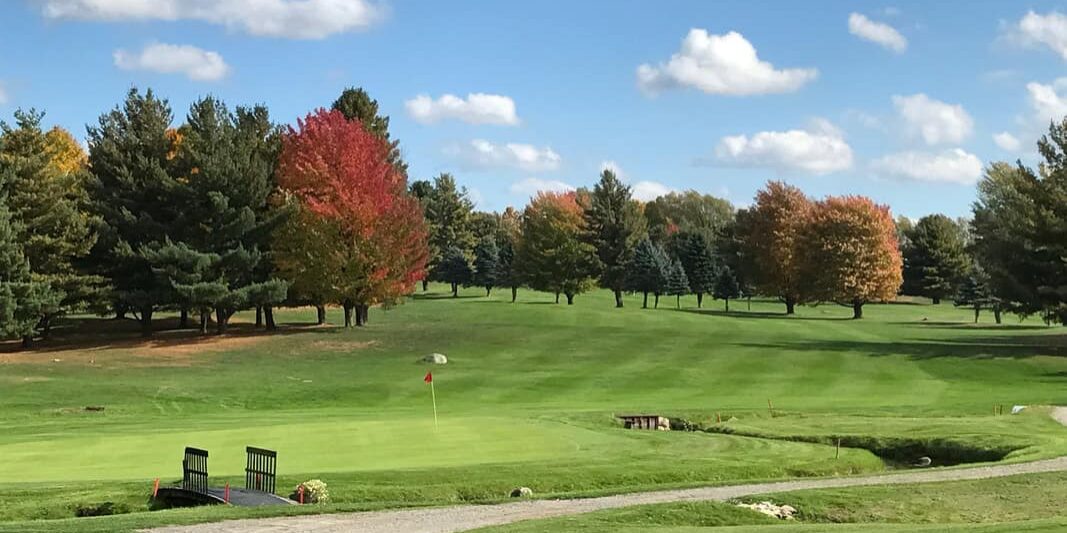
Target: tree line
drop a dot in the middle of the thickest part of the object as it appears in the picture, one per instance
(230, 211)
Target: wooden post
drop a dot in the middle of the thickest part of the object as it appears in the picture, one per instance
(300, 493)
(770, 407)
(155, 488)
(837, 451)
(226, 497)
(718, 418)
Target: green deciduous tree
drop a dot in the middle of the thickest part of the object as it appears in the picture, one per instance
(935, 260)
(615, 225)
(553, 253)
(687, 211)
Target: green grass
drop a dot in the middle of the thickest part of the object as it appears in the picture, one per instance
(1015, 503)
(526, 399)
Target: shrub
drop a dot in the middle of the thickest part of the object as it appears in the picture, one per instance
(315, 491)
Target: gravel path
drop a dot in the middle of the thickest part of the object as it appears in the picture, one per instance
(466, 517)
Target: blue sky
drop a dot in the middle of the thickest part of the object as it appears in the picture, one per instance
(900, 101)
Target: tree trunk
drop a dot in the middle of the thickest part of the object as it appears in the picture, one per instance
(46, 327)
(268, 312)
(618, 298)
(557, 297)
(120, 312)
(570, 298)
(644, 304)
(183, 319)
(359, 317)
(790, 306)
(488, 290)
(146, 321)
(700, 300)
(348, 314)
(857, 310)
(749, 303)
(222, 320)
(937, 300)
(259, 316)
(364, 311)
(727, 300)
(455, 289)
(425, 285)
(321, 317)
(996, 315)
(514, 293)
(656, 305)
(27, 341)
(976, 311)
(678, 301)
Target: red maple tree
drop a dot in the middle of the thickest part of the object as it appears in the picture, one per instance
(366, 237)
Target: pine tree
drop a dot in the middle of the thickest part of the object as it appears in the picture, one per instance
(486, 265)
(647, 271)
(448, 213)
(677, 282)
(454, 268)
(615, 225)
(935, 259)
(974, 292)
(727, 287)
(695, 254)
(357, 105)
(508, 273)
(48, 201)
(131, 152)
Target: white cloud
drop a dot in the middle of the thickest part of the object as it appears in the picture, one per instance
(949, 166)
(478, 108)
(532, 186)
(720, 64)
(644, 190)
(1006, 141)
(296, 19)
(484, 154)
(818, 149)
(1048, 101)
(1049, 30)
(193, 62)
(933, 120)
(882, 34)
(865, 119)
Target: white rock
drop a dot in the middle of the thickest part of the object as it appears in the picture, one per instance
(435, 359)
(521, 492)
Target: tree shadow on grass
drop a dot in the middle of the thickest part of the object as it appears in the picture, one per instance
(1014, 347)
(971, 326)
(93, 334)
(756, 314)
(443, 296)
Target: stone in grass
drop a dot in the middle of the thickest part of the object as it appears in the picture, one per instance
(781, 512)
(521, 492)
(435, 359)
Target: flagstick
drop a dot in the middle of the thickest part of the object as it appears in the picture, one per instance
(433, 395)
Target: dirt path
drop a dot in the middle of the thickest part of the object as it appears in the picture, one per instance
(467, 517)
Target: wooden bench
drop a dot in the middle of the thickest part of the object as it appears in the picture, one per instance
(653, 422)
(261, 469)
(194, 470)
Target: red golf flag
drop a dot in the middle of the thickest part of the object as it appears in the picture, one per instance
(428, 378)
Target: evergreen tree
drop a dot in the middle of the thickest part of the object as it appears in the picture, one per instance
(677, 282)
(454, 268)
(133, 192)
(227, 161)
(647, 271)
(695, 255)
(48, 201)
(935, 259)
(23, 301)
(486, 265)
(727, 287)
(615, 225)
(448, 213)
(355, 104)
(974, 292)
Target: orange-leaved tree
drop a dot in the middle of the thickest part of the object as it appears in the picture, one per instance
(768, 233)
(553, 255)
(848, 253)
(357, 238)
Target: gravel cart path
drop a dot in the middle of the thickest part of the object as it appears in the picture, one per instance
(467, 517)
